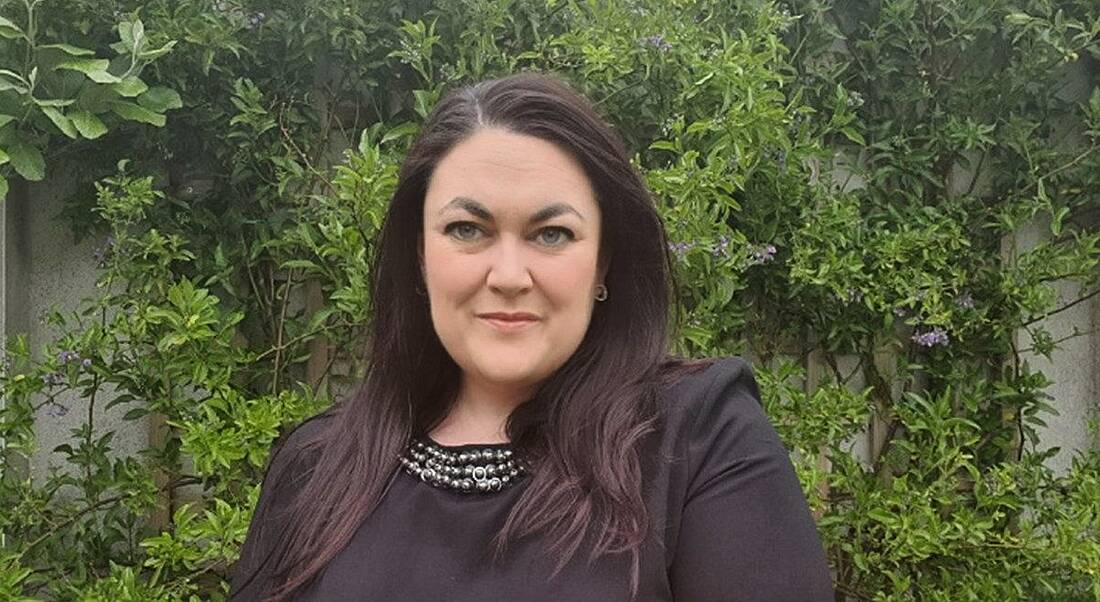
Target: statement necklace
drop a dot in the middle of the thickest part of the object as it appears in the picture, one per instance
(471, 471)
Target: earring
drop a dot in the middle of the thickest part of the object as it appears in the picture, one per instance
(601, 293)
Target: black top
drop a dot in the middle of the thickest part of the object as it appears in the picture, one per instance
(731, 522)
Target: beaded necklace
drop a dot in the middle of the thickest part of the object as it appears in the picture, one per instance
(470, 471)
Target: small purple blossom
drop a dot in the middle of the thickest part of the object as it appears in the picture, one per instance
(722, 247)
(254, 20)
(53, 378)
(67, 356)
(86, 363)
(657, 41)
(681, 248)
(965, 300)
(763, 253)
(931, 337)
(56, 410)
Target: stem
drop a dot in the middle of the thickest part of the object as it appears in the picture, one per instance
(72, 519)
(279, 331)
(1063, 308)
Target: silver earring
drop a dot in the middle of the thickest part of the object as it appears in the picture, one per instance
(601, 293)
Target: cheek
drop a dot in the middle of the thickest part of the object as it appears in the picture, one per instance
(451, 277)
(568, 281)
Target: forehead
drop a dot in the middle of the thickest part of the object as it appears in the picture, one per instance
(510, 172)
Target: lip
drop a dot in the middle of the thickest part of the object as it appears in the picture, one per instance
(509, 317)
(505, 322)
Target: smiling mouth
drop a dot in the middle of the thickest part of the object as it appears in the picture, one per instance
(508, 325)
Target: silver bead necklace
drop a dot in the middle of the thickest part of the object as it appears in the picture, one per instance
(474, 470)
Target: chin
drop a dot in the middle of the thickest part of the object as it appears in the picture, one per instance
(511, 369)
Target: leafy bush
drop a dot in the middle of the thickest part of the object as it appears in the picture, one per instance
(840, 182)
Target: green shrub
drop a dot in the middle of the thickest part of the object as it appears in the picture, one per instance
(839, 183)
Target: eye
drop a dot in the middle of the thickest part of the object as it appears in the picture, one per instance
(559, 236)
(464, 231)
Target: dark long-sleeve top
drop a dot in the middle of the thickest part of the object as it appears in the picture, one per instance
(730, 522)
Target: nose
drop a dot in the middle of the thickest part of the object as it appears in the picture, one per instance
(508, 271)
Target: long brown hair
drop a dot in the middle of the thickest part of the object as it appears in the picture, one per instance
(584, 424)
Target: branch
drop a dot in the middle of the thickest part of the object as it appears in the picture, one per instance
(72, 519)
(181, 482)
(1062, 309)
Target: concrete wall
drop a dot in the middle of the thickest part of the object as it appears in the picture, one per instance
(1074, 368)
(44, 268)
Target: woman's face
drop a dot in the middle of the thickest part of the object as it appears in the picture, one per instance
(512, 228)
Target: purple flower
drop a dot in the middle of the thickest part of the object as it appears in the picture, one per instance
(86, 363)
(56, 410)
(681, 248)
(763, 253)
(656, 41)
(722, 248)
(67, 356)
(931, 337)
(53, 378)
(254, 20)
(965, 300)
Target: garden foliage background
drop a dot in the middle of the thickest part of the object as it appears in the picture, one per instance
(839, 180)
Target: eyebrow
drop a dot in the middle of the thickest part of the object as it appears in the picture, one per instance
(550, 211)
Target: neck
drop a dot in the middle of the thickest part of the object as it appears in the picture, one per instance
(480, 413)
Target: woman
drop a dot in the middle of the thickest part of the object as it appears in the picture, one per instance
(521, 433)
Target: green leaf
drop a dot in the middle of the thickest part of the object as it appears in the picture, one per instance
(405, 129)
(102, 77)
(149, 55)
(54, 102)
(4, 158)
(135, 413)
(133, 112)
(10, 80)
(854, 136)
(89, 126)
(10, 30)
(3, 188)
(95, 69)
(27, 161)
(126, 34)
(881, 516)
(61, 121)
(5, 120)
(160, 99)
(130, 87)
(424, 101)
(84, 66)
(68, 49)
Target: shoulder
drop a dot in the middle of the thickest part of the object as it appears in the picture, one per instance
(710, 387)
(295, 452)
(714, 417)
